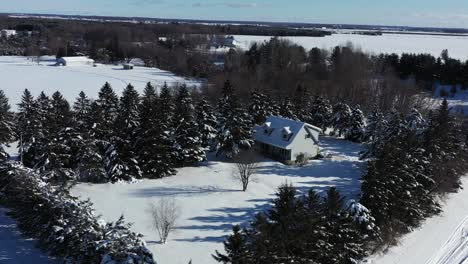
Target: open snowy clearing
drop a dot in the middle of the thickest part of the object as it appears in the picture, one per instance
(387, 43)
(19, 73)
(210, 200)
(14, 249)
(441, 240)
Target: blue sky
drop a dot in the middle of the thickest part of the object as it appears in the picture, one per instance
(439, 13)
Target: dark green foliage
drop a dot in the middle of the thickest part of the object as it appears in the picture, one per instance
(104, 112)
(121, 163)
(187, 136)
(157, 152)
(234, 124)
(305, 229)
(356, 128)
(82, 113)
(206, 123)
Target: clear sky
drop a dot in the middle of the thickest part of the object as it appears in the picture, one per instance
(438, 13)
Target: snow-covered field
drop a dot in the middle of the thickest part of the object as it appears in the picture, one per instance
(387, 43)
(458, 101)
(441, 240)
(19, 73)
(14, 249)
(210, 201)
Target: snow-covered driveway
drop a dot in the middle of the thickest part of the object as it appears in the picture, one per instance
(14, 249)
(210, 201)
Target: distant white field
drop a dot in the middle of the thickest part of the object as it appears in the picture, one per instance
(19, 73)
(387, 43)
(211, 202)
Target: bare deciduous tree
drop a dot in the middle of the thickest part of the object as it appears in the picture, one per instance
(164, 214)
(245, 167)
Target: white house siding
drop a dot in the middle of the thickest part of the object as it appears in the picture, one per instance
(301, 144)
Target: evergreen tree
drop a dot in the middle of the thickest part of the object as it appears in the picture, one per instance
(6, 125)
(121, 160)
(286, 110)
(187, 135)
(104, 111)
(206, 123)
(27, 128)
(321, 112)
(61, 116)
(341, 118)
(356, 129)
(82, 113)
(234, 124)
(237, 251)
(159, 147)
(301, 104)
(260, 107)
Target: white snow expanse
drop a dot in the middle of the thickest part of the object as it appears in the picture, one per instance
(210, 201)
(387, 43)
(19, 73)
(14, 248)
(441, 240)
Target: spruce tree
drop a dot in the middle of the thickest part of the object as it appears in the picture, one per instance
(105, 110)
(206, 123)
(286, 110)
(356, 128)
(27, 128)
(121, 160)
(260, 107)
(6, 125)
(82, 113)
(234, 124)
(187, 135)
(340, 118)
(321, 112)
(237, 251)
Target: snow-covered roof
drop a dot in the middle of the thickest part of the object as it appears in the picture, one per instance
(77, 59)
(281, 132)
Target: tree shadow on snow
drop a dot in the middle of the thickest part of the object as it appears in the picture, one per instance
(223, 219)
(178, 191)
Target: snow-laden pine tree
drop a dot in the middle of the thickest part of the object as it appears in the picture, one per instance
(286, 110)
(321, 112)
(301, 104)
(206, 123)
(187, 136)
(156, 152)
(416, 122)
(236, 248)
(357, 124)
(260, 107)
(6, 126)
(27, 127)
(58, 160)
(104, 112)
(341, 118)
(121, 162)
(82, 113)
(234, 124)
(374, 133)
(446, 148)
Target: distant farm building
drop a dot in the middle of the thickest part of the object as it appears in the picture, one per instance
(128, 66)
(137, 62)
(75, 61)
(6, 33)
(284, 139)
(229, 42)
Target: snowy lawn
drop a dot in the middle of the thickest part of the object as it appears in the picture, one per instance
(441, 240)
(14, 249)
(19, 73)
(210, 201)
(387, 43)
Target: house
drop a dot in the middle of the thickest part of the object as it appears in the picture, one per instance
(6, 33)
(128, 66)
(284, 139)
(75, 61)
